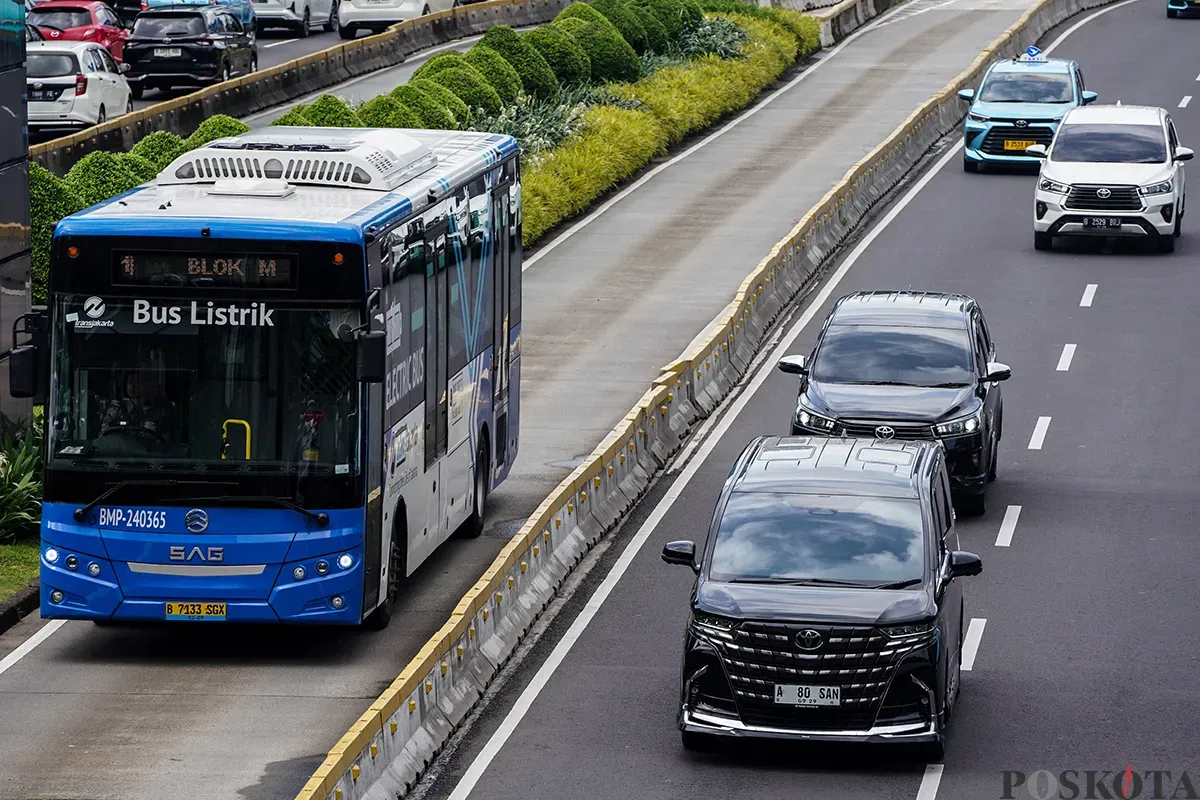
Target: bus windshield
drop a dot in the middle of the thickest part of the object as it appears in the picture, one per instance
(194, 385)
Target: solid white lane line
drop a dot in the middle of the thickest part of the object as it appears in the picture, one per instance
(971, 643)
(1089, 294)
(30, 643)
(1039, 433)
(1008, 525)
(931, 782)
(276, 44)
(1187, 98)
(1064, 361)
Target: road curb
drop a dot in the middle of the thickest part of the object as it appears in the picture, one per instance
(19, 605)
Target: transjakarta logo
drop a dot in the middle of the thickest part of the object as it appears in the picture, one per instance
(93, 307)
(254, 315)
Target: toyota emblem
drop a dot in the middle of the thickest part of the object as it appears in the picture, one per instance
(1021, 123)
(885, 432)
(1103, 194)
(196, 520)
(166, 41)
(808, 639)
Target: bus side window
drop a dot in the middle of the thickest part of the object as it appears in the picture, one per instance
(479, 284)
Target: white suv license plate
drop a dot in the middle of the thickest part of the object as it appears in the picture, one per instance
(792, 695)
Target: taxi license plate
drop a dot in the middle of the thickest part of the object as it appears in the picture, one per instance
(1018, 144)
(168, 52)
(1107, 223)
(792, 695)
(195, 611)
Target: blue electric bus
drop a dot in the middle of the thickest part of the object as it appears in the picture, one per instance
(277, 377)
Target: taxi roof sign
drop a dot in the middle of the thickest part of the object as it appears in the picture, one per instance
(1031, 53)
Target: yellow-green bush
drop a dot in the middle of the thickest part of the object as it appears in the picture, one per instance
(614, 144)
(806, 29)
(694, 95)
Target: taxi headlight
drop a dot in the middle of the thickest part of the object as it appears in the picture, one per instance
(960, 426)
(1155, 188)
(975, 116)
(1047, 185)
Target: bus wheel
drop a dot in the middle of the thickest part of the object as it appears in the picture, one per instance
(474, 526)
(380, 617)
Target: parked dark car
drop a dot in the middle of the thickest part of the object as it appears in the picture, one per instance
(908, 365)
(827, 605)
(187, 46)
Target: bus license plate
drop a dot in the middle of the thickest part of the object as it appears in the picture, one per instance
(1107, 223)
(792, 695)
(168, 52)
(195, 611)
(1018, 144)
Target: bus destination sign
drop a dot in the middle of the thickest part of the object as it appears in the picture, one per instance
(235, 270)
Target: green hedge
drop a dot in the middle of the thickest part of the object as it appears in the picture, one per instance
(536, 76)
(657, 40)
(159, 148)
(328, 111)
(294, 117)
(610, 56)
(625, 22)
(451, 58)
(470, 88)
(99, 176)
(431, 113)
(672, 14)
(386, 112)
(214, 128)
(50, 199)
(585, 12)
(496, 71)
(142, 168)
(446, 98)
(806, 29)
(565, 56)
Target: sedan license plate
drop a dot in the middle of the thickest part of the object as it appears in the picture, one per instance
(1018, 144)
(1107, 223)
(195, 611)
(168, 52)
(792, 695)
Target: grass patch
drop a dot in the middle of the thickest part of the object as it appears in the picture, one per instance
(18, 566)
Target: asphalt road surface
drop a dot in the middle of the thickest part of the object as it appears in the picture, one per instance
(1081, 645)
(248, 713)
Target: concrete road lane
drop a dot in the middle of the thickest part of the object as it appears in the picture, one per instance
(1084, 661)
(151, 713)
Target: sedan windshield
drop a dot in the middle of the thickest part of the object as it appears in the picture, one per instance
(193, 386)
(167, 25)
(774, 538)
(50, 65)
(1114, 144)
(868, 354)
(1023, 87)
(62, 18)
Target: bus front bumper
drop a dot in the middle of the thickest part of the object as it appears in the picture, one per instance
(92, 591)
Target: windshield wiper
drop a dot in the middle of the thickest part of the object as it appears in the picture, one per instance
(945, 385)
(80, 514)
(319, 517)
(802, 582)
(899, 584)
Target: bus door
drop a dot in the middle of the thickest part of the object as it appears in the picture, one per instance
(500, 347)
(436, 355)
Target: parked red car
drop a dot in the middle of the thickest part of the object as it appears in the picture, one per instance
(80, 21)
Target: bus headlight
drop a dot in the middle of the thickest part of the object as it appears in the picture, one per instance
(52, 556)
(345, 561)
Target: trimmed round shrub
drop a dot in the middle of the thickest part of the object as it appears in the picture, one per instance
(536, 76)
(213, 128)
(99, 176)
(470, 88)
(657, 40)
(445, 98)
(159, 148)
(451, 58)
(328, 111)
(496, 70)
(50, 199)
(624, 21)
(564, 55)
(386, 112)
(671, 13)
(430, 112)
(611, 57)
(294, 117)
(139, 166)
(582, 11)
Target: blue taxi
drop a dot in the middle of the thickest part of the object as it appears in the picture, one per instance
(1019, 103)
(1177, 7)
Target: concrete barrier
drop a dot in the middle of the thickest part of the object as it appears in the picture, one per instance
(283, 83)
(842, 19)
(395, 740)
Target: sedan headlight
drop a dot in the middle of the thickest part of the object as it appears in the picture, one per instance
(905, 631)
(1047, 185)
(1156, 188)
(975, 116)
(960, 426)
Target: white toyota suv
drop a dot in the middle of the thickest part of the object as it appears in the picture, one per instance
(1111, 170)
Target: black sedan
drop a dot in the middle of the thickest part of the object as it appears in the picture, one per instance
(908, 365)
(187, 46)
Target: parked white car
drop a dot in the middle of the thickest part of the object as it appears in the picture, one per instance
(1111, 170)
(73, 85)
(378, 15)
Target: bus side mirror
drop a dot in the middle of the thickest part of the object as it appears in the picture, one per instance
(23, 371)
(372, 357)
